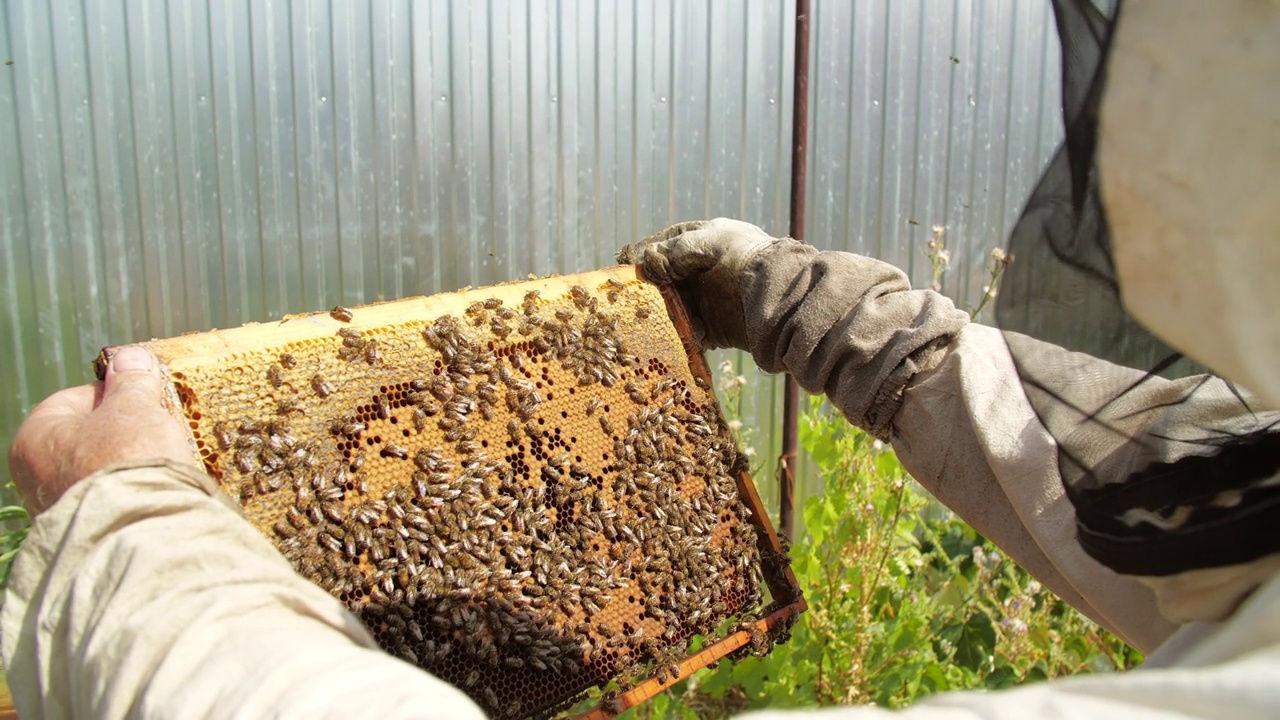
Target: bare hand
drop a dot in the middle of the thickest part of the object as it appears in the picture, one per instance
(80, 430)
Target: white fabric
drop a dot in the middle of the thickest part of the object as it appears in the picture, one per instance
(1189, 171)
(967, 433)
(139, 595)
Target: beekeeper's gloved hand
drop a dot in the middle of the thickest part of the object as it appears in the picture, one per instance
(845, 325)
(705, 259)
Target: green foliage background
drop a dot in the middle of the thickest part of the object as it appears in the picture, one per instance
(905, 600)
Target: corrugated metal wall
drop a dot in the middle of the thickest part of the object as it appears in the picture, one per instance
(177, 166)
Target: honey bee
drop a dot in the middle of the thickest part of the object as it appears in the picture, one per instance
(341, 314)
(288, 361)
(399, 452)
(384, 407)
(419, 419)
(371, 352)
(246, 461)
(530, 303)
(320, 386)
(286, 407)
(223, 435)
(275, 375)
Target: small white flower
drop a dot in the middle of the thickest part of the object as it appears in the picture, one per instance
(1014, 625)
(749, 451)
(1033, 587)
(877, 445)
(735, 425)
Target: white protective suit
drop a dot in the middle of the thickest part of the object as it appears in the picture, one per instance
(143, 593)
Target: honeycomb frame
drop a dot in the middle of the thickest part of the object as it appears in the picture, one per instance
(522, 561)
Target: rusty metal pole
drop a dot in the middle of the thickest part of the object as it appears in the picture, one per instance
(799, 166)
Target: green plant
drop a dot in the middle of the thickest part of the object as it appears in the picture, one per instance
(905, 600)
(18, 522)
(999, 261)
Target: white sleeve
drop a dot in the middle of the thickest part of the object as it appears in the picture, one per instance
(140, 593)
(968, 434)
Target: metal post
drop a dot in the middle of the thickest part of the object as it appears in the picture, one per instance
(799, 166)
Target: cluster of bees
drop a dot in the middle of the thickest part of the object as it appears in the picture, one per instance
(525, 509)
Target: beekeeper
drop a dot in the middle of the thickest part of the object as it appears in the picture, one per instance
(1146, 496)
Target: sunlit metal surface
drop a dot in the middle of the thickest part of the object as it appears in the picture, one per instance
(178, 166)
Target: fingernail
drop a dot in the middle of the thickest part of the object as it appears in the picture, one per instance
(132, 358)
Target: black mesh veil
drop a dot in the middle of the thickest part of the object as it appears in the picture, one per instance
(1169, 467)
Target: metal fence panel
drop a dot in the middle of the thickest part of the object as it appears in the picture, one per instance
(167, 167)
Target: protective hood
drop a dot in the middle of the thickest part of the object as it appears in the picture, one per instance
(1155, 215)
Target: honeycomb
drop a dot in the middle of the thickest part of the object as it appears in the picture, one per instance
(526, 490)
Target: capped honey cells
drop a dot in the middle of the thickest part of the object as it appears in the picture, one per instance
(526, 490)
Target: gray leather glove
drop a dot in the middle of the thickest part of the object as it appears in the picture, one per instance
(705, 260)
(845, 325)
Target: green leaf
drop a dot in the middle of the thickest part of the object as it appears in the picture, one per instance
(1001, 677)
(1039, 637)
(955, 592)
(974, 640)
(887, 466)
(13, 512)
(718, 681)
(659, 705)
(815, 519)
(935, 680)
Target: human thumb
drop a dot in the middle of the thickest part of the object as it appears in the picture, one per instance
(132, 422)
(132, 377)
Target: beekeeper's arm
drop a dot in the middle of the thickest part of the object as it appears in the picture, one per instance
(141, 591)
(910, 368)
